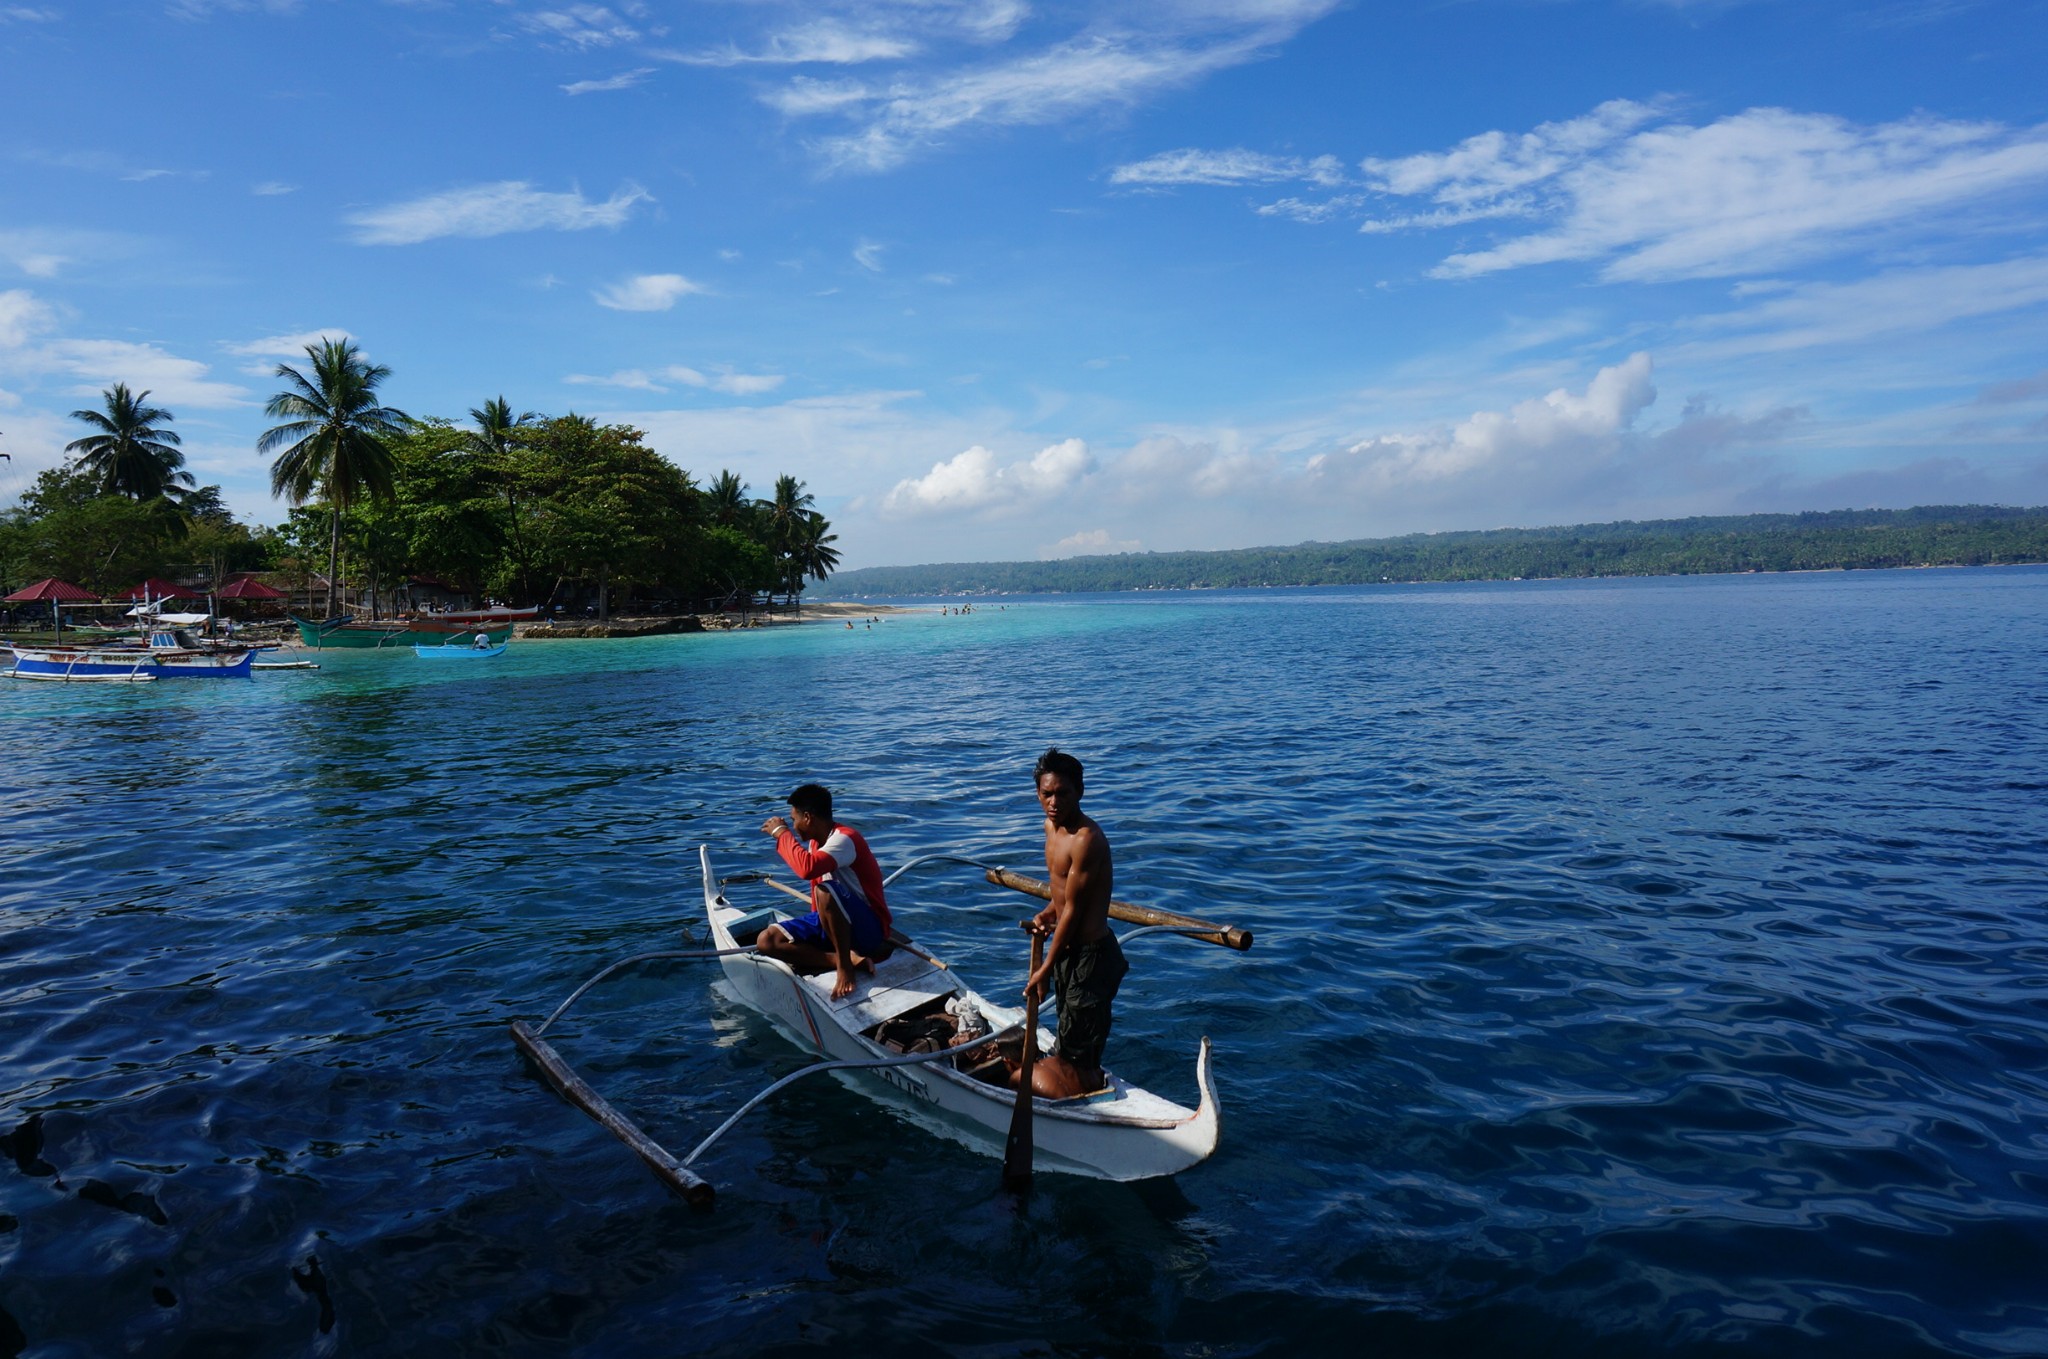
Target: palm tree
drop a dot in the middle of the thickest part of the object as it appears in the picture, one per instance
(332, 438)
(726, 500)
(496, 436)
(812, 553)
(497, 430)
(131, 454)
(785, 520)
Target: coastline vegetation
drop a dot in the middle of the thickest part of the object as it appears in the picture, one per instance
(1931, 535)
(528, 509)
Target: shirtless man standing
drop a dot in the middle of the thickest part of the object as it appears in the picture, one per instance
(1082, 957)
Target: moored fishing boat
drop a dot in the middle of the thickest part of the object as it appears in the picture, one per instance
(497, 613)
(389, 634)
(458, 646)
(127, 663)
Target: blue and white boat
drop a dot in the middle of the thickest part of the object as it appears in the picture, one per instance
(167, 656)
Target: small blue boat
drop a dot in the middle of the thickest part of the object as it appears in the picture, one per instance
(464, 645)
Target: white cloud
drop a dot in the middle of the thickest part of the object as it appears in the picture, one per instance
(580, 26)
(109, 163)
(1804, 316)
(273, 188)
(973, 481)
(1492, 165)
(492, 210)
(1754, 191)
(1090, 543)
(1536, 437)
(1048, 87)
(823, 42)
(145, 367)
(803, 96)
(1236, 166)
(201, 9)
(746, 384)
(624, 81)
(723, 380)
(29, 14)
(992, 20)
(286, 346)
(1150, 50)
(1208, 469)
(648, 292)
(868, 255)
(22, 314)
(1303, 210)
(43, 252)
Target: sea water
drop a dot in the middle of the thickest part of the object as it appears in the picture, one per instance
(1643, 967)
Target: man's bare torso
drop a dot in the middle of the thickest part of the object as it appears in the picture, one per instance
(1077, 863)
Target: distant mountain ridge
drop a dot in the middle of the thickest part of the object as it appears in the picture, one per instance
(1817, 540)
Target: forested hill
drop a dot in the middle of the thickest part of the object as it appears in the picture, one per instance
(1931, 535)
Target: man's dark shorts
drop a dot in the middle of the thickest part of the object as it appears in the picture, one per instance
(1087, 978)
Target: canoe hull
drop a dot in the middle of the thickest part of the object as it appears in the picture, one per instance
(89, 663)
(395, 636)
(1133, 1136)
(448, 651)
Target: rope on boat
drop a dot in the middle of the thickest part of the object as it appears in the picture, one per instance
(577, 994)
(849, 1064)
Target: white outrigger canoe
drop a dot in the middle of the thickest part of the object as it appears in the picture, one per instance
(1121, 1132)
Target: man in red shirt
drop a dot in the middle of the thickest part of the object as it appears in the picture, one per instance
(848, 926)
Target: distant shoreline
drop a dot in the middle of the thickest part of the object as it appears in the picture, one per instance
(1756, 544)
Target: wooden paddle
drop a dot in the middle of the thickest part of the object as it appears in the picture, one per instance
(1230, 936)
(1017, 1150)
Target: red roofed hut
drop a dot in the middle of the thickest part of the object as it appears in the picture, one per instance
(54, 590)
(249, 588)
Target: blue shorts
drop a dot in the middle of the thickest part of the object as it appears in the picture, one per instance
(868, 937)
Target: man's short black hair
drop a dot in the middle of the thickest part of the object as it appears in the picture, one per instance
(812, 798)
(1057, 761)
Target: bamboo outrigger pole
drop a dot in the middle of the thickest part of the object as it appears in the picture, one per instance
(1230, 936)
(694, 1188)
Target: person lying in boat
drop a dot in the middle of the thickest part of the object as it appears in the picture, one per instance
(1082, 957)
(848, 927)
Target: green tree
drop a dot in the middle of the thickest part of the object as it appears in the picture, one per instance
(811, 552)
(494, 443)
(333, 438)
(606, 509)
(785, 517)
(735, 564)
(725, 501)
(130, 452)
(103, 543)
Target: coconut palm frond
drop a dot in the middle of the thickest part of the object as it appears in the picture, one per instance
(130, 453)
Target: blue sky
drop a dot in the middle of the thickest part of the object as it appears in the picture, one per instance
(1015, 279)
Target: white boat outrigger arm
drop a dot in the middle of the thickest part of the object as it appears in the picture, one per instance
(694, 1188)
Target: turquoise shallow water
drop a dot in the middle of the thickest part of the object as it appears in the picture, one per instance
(1644, 967)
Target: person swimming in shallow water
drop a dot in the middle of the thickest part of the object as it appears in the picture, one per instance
(847, 930)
